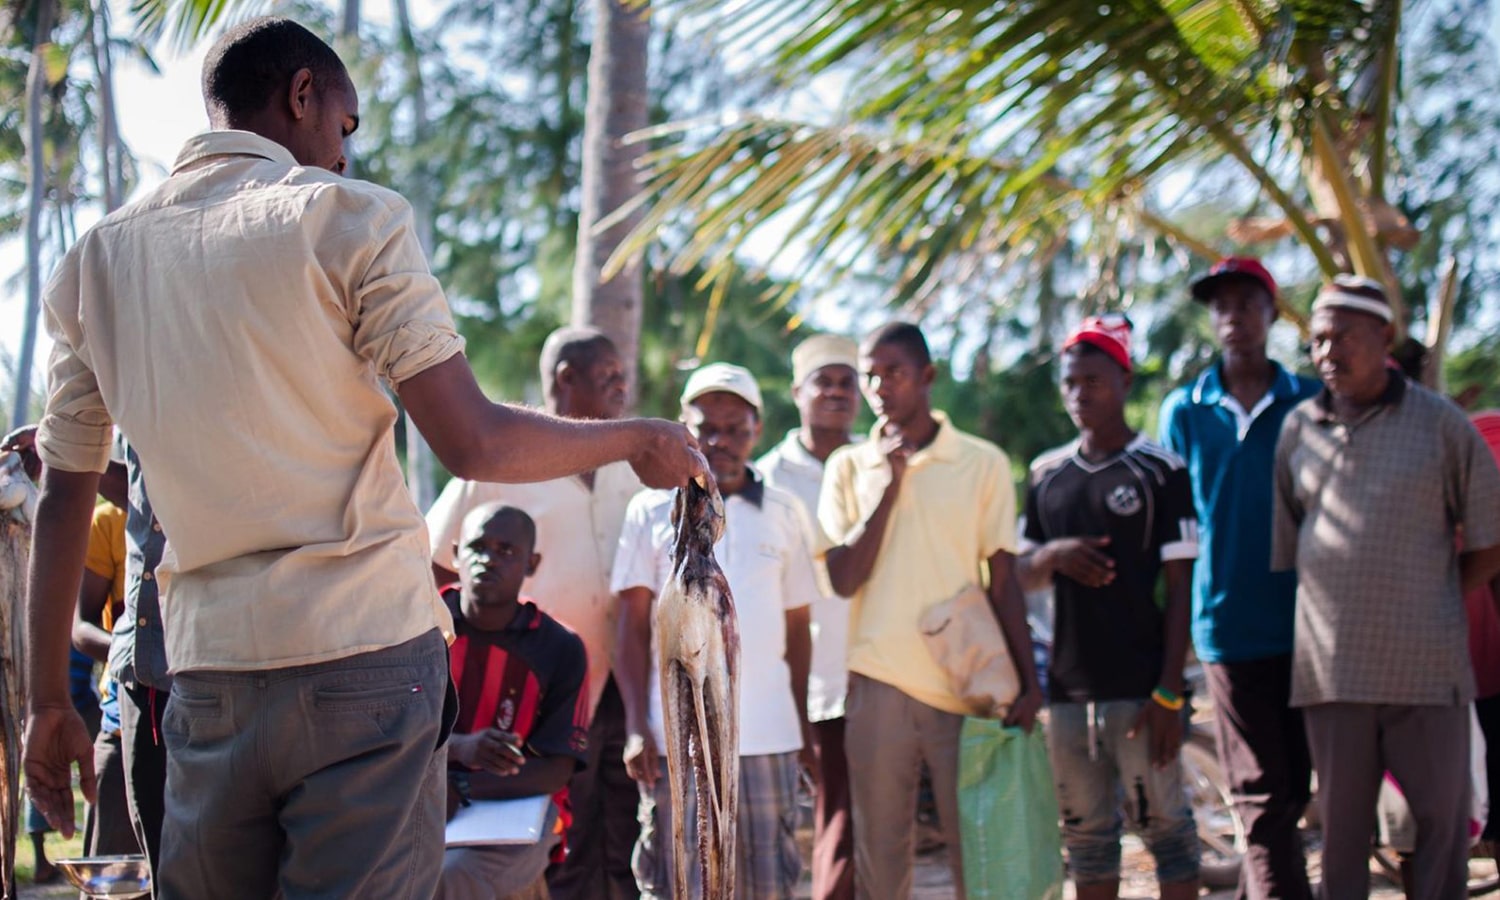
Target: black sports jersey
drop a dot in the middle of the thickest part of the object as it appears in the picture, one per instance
(1108, 641)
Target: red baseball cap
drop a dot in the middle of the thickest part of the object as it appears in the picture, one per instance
(1488, 423)
(1234, 267)
(1109, 332)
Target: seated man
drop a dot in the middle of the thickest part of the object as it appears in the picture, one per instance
(764, 554)
(522, 727)
(1106, 517)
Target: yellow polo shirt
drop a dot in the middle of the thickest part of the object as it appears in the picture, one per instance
(956, 509)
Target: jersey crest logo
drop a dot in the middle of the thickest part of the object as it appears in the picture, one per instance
(1124, 500)
(507, 716)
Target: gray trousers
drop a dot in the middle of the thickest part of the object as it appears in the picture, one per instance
(887, 737)
(107, 829)
(1426, 749)
(312, 781)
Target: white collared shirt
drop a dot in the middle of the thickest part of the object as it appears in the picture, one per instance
(764, 555)
(792, 468)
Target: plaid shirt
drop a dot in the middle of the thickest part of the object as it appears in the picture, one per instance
(1367, 514)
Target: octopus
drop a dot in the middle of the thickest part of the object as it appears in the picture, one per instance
(699, 643)
(17, 506)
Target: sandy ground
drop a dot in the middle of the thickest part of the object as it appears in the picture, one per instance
(932, 880)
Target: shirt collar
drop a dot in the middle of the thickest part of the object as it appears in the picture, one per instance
(1210, 387)
(527, 617)
(1395, 391)
(230, 143)
(794, 452)
(754, 491)
(944, 446)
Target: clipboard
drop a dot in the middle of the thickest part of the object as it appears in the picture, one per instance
(488, 823)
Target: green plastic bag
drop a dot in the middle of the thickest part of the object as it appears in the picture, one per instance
(1012, 845)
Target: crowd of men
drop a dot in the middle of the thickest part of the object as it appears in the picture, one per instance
(344, 677)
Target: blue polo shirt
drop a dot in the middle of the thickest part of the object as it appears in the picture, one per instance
(1241, 610)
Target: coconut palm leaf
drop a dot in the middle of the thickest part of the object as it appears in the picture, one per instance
(182, 23)
(983, 127)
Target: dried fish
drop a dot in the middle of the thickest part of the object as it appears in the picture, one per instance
(17, 507)
(699, 643)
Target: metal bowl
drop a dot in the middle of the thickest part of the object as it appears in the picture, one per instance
(108, 876)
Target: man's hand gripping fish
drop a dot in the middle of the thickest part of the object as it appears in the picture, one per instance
(699, 640)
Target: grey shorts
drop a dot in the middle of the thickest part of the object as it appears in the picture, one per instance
(1099, 788)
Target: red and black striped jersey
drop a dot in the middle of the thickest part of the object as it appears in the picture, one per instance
(531, 678)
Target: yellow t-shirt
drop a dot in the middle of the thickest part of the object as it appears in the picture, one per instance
(956, 509)
(106, 556)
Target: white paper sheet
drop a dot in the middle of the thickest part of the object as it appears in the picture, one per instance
(486, 822)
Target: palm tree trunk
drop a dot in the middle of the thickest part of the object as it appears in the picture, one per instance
(36, 172)
(617, 105)
(419, 468)
(110, 168)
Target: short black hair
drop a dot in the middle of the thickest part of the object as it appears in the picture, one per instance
(904, 335)
(256, 59)
(576, 345)
(494, 511)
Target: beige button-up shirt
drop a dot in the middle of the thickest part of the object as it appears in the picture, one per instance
(237, 323)
(577, 531)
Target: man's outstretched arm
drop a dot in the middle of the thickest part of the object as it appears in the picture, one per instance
(484, 441)
(55, 734)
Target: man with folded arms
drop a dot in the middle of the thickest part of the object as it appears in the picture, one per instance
(1374, 479)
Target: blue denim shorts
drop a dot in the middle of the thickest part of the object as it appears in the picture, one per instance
(1100, 787)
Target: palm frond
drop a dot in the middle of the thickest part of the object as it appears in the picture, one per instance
(843, 199)
(183, 23)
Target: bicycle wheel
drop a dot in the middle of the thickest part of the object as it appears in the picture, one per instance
(1221, 834)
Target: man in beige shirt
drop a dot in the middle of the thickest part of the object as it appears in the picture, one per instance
(239, 324)
(578, 521)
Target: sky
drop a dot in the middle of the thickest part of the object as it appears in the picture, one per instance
(157, 113)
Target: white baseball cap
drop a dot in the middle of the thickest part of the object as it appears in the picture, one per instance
(729, 379)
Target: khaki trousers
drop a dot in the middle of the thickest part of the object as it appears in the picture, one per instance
(887, 738)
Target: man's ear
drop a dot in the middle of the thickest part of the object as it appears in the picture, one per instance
(929, 374)
(300, 93)
(565, 375)
(532, 564)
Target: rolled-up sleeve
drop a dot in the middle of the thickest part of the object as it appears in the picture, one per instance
(75, 432)
(402, 323)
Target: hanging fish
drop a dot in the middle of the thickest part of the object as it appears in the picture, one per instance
(17, 506)
(698, 638)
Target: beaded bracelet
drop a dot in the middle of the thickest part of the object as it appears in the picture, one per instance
(1167, 700)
